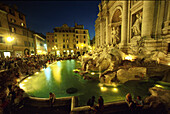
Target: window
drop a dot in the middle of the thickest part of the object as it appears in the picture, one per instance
(25, 42)
(21, 16)
(29, 44)
(12, 29)
(47, 36)
(47, 40)
(52, 40)
(77, 42)
(12, 12)
(67, 40)
(76, 36)
(32, 44)
(74, 40)
(84, 36)
(73, 35)
(22, 24)
(55, 40)
(76, 31)
(24, 33)
(67, 35)
(67, 46)
(63, 34)
(84, 42)
(74, 45)
(41, 44)
(63, 45)
(1, 39)
(84, 32)
(13, 20)
(55, 34)
(0, 24)
(63, 40)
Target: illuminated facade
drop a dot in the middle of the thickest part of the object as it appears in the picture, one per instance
(40, 47)
(13, 25)
(50, 42)
(68, 40)
(134, 26)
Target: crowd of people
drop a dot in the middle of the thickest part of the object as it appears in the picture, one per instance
(13, 70)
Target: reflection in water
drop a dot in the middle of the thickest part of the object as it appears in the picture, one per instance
(57, 73)
(48, 73)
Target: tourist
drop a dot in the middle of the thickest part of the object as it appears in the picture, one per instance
(139, 102)
(91, 101)
(131, 104)
(101, 104)
(51, 98)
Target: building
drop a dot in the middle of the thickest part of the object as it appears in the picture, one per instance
(4, 33)
(50, 42)
(92, 43)
(16, 38)
(68, 40)
(134, 26)
(40, 47)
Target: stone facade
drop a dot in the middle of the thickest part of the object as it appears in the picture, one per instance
(134, 26)
(13, 25)
(40, 47)
(68, 40)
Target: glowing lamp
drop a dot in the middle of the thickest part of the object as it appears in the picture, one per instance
(25, 80)
(9, 39)
(92, 73)
(159, 86)
(103, 89)
(37, 73)
(21, 86)
(115, 90)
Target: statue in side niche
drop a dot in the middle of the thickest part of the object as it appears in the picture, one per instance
(115, 35)
(136, 26)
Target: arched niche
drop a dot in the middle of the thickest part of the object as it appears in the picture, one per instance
(115, 24)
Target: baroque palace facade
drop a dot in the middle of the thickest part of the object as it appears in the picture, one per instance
(68, 40)
(134, 25)
(15, 38)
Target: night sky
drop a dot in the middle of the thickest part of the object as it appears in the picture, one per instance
(43, 16)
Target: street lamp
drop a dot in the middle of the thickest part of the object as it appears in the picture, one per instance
(54, 48)
(9, 39)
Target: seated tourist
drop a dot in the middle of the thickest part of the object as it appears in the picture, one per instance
(131, 104)
(51, 98)
(91, 101)
(139, 102)
(101, 103)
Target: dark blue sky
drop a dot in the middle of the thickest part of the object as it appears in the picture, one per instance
(43, 16)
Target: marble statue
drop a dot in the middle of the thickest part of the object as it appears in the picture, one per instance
(115, 35)
(136, 26)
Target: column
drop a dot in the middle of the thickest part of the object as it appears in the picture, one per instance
(101, 31)
(124, 23)
(148, 15)
(107, 32)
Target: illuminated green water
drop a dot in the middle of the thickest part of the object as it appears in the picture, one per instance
(60, 76)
